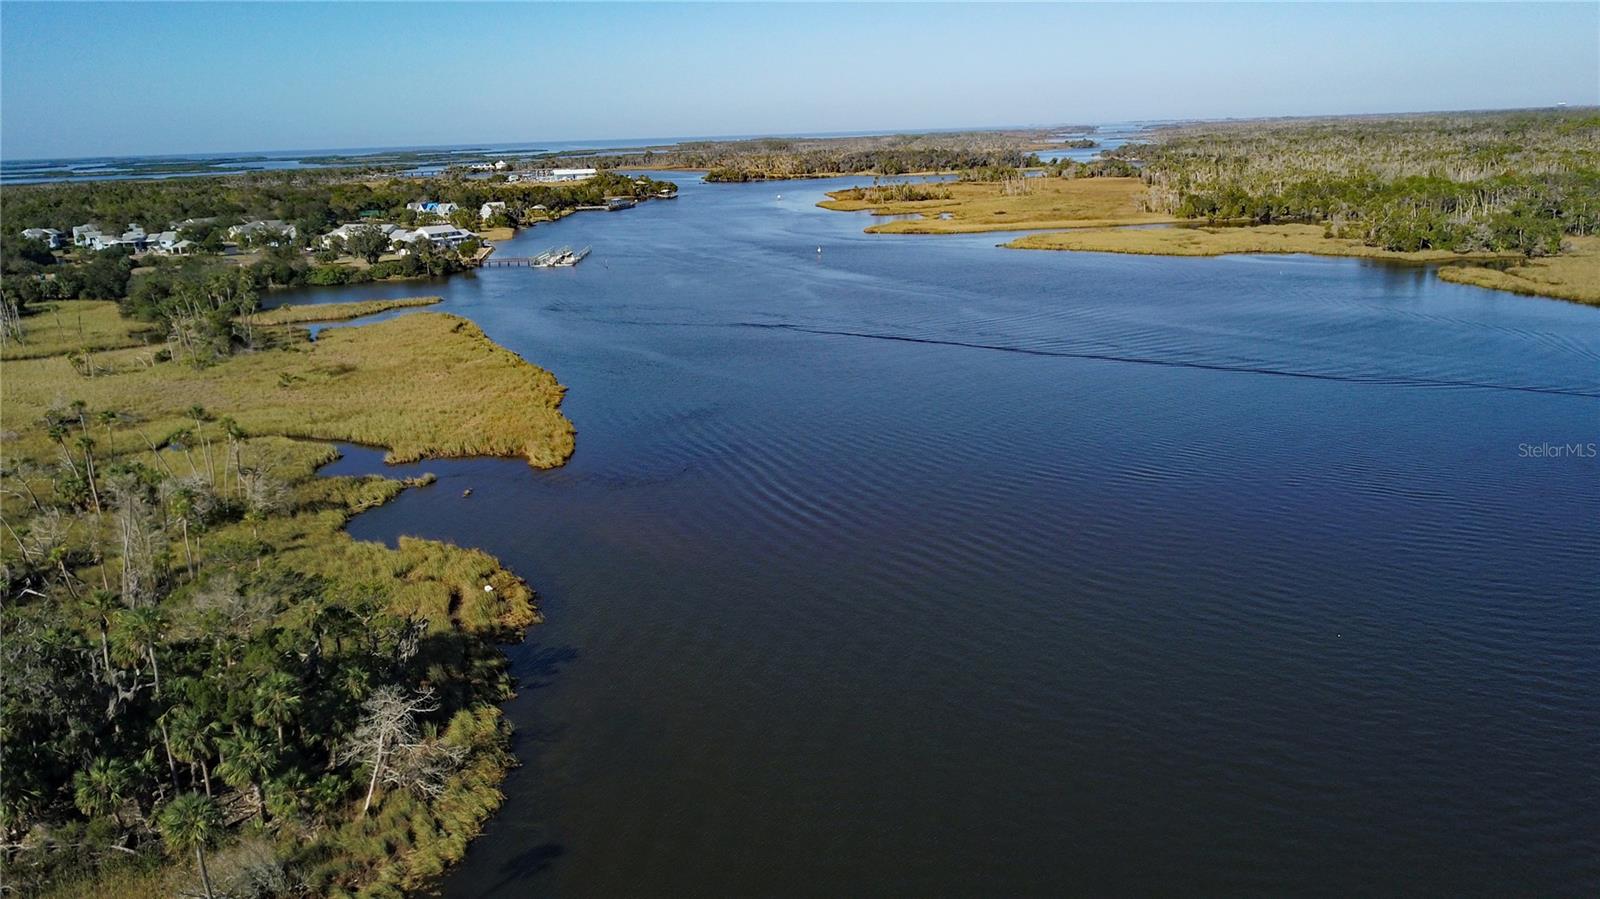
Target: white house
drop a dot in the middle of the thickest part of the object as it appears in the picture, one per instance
(262, 226)
(343, 232)
(168, 244)
(426, 207)
(50, 236)
(92, 237)
(126, 239)
(487, 211)
(560, 175)
(438, 235)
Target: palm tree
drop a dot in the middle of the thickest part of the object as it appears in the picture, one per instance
(137, 633)
(194, 741)
(103, 788)
(247, 762)
(192, 821)
(277, 701)
(101, 605)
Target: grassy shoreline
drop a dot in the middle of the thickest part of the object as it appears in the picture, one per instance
(425, 385)
(336, 312)
(1229, 239)
(1020, 204)
(1095, 215)
(1573, 276)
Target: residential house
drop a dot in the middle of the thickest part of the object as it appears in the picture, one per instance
(49, 236)
(439, 235)
(487, 211)
(343, 232)
(427, 207)
(92, 237)
(549, 175)
(260, 227)
(167, 244)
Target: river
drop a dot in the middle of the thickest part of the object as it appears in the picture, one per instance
(916, 566)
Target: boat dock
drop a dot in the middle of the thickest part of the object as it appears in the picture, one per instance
(560, 257)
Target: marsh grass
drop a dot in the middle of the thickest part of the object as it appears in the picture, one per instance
(76, 326)
(1000, 205)
(425, 384)
(335, 312)
(1574, 275)
(422, 385)
(1218, 241)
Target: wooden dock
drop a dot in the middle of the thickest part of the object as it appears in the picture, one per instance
(561, 257)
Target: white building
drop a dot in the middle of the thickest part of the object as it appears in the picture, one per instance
(50, 236)
(275, 227)
(561, 175)
(167, 244)
(439, 235)
(425, 207)
(343, 232)
(487, 211)
(92, 237)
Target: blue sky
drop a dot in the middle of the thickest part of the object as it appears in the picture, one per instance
(137, 78)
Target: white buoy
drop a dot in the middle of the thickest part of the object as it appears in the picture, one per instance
(819, 249)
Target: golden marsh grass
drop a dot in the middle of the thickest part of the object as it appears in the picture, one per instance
(988, 206)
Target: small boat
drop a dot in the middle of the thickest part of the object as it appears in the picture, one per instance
(561, 257)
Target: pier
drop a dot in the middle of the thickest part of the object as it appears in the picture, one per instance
(561, 257)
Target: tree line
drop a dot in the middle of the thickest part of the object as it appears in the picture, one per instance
(1508, 182)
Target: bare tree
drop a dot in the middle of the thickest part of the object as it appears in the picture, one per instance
(390, 742)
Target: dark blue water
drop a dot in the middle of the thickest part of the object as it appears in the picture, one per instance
(922, 567)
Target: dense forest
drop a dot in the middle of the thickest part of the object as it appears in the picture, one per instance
(1511, 181)
(770, 158)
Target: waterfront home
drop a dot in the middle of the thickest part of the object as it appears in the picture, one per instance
(167, 243)
(263, 228)
(92, 237)
(431, 208)
(343, 232)
(487, 211)
(549, 175)
(50, 237)
(442, 236)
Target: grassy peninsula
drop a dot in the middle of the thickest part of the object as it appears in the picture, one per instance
(1519, 190)
(1219, 240)
(1006, 203)
(210, 688)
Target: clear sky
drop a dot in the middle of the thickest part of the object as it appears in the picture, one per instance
(144, 78)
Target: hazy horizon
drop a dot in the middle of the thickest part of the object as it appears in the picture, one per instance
(181, 79)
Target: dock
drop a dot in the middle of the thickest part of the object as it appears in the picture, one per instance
(560, 257)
